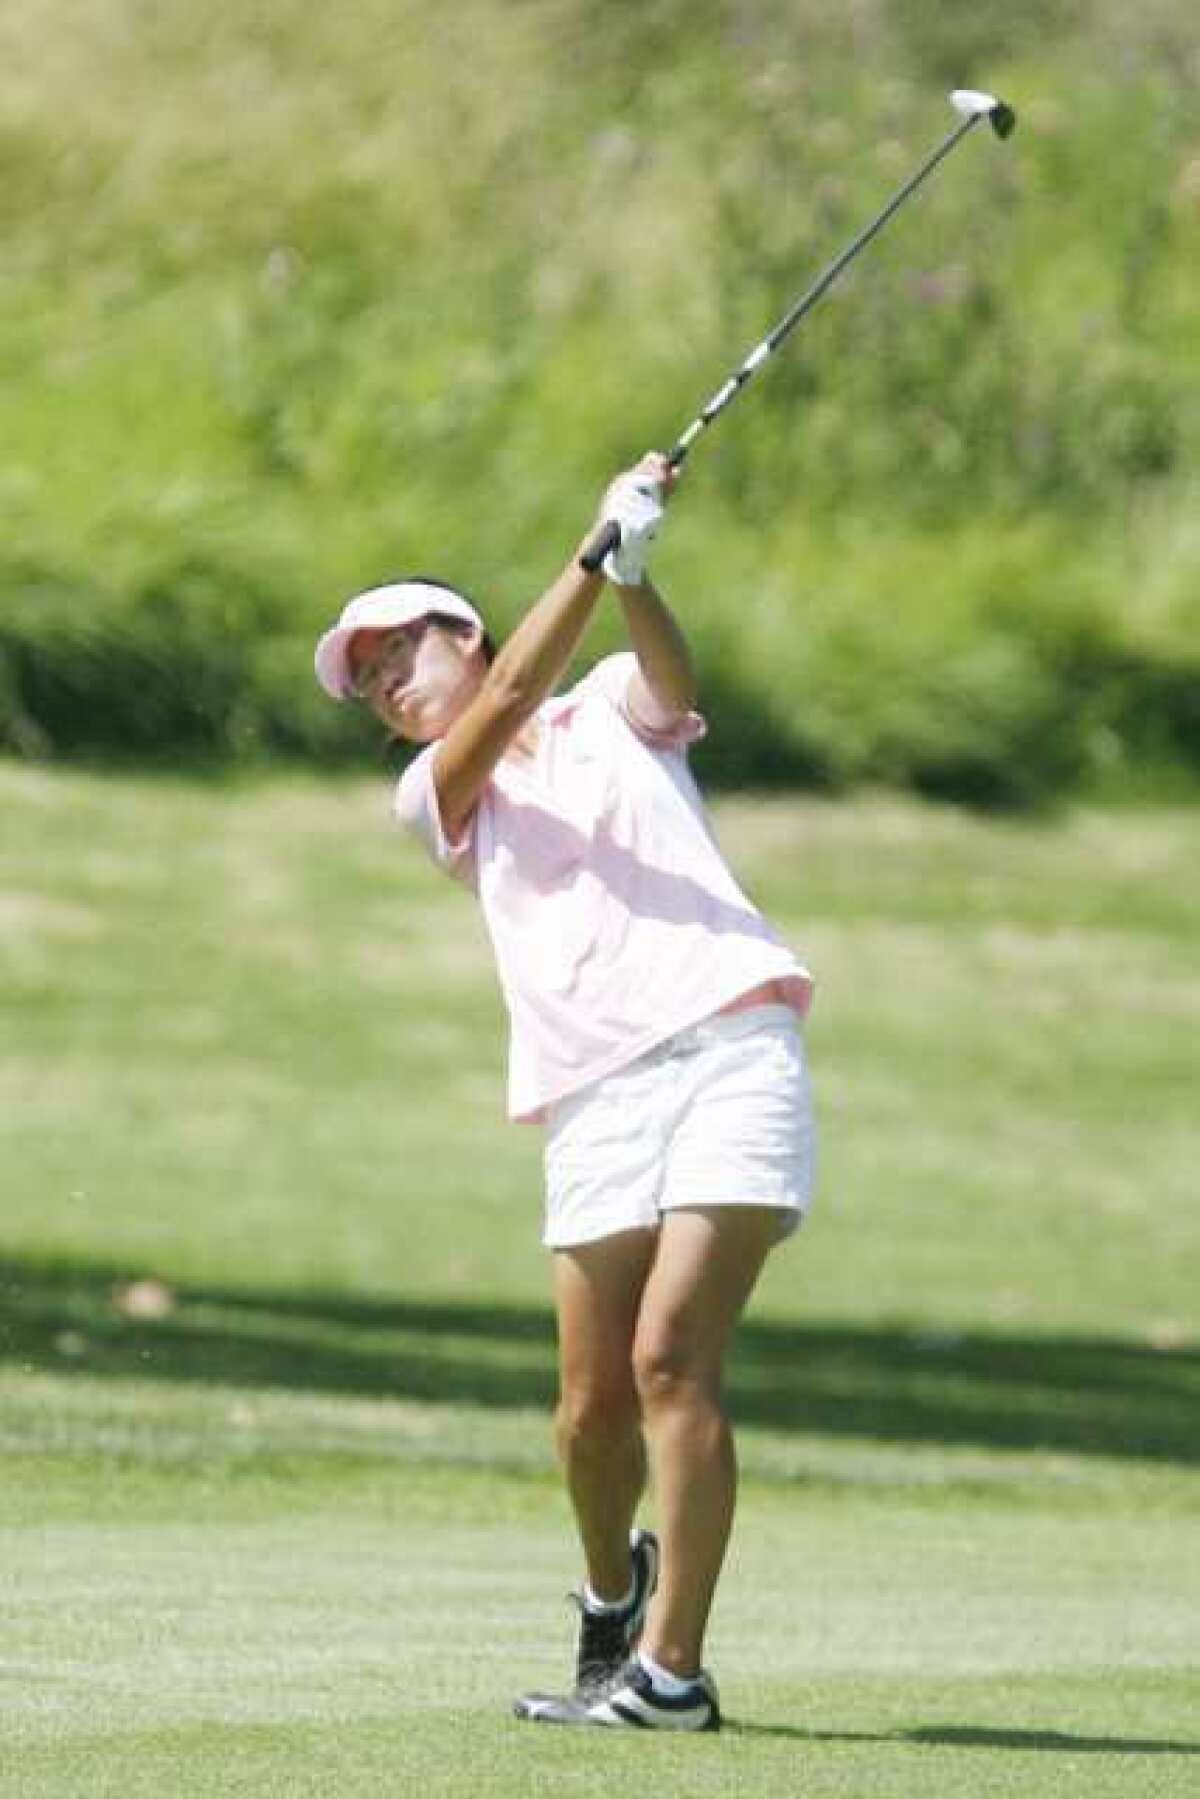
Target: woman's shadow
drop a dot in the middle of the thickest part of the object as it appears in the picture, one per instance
(969, 1736)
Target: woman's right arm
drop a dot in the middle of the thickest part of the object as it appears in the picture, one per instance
(525, 672)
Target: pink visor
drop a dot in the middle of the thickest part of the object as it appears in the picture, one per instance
(382, 609)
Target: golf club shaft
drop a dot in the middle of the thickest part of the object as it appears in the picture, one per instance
(609, 535)
(808, 300)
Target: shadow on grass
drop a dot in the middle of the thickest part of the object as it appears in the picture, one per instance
(1078, 1395)
(967, 1736)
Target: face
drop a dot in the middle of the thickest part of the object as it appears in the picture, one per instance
(417, 678)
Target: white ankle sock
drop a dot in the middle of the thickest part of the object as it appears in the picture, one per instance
(599, 1607)
(664, 1682)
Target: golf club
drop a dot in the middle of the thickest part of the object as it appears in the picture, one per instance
(971, 106)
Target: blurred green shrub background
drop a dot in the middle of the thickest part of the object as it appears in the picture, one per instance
(293, 301)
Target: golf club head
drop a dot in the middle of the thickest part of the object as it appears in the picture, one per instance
(972, 104)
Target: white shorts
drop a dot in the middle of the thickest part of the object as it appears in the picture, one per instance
(718, 1115)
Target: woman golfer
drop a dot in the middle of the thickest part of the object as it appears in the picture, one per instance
(654, 1034)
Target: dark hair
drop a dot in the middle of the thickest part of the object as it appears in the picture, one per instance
(447, 620)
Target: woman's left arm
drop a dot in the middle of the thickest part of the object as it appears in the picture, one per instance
(665, 677)
(664, 661)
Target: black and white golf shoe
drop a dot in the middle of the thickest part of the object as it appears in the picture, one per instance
(606, 1639)
(628, 1700)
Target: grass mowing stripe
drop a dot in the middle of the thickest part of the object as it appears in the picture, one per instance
(875, 1641)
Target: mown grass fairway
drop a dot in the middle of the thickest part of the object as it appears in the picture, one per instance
(278, 1514)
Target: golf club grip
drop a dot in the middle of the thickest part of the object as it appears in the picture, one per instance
(606, 539)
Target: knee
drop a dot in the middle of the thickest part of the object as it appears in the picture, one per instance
(669, 1372)
(595, 1415)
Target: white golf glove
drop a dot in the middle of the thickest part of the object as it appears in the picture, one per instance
(634, 502)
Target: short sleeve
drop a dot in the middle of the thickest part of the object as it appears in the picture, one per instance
(415, 805)
(654, 724)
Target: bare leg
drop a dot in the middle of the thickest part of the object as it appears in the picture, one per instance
(598, 1291)
(707, 1262)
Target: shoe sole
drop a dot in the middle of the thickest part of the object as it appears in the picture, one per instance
(536, 1708)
